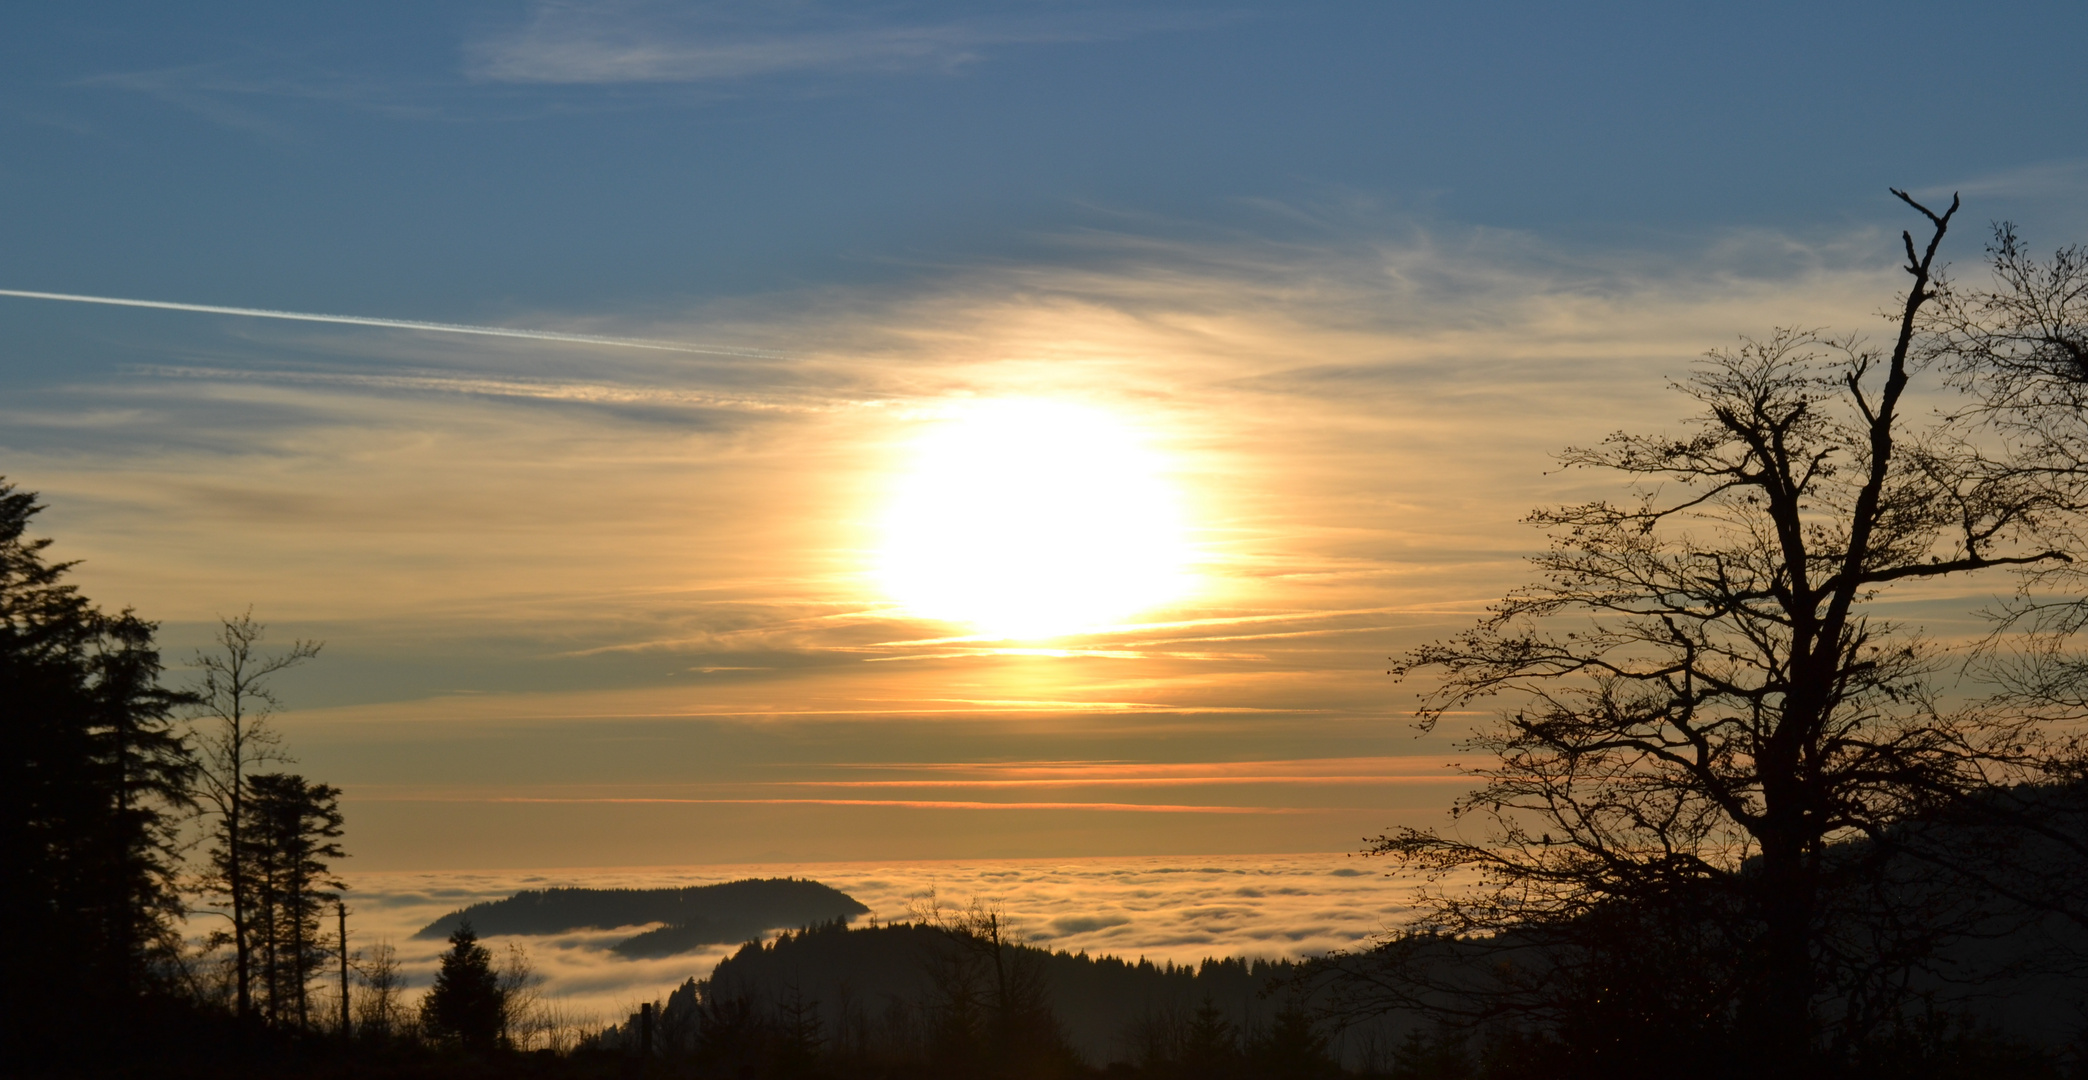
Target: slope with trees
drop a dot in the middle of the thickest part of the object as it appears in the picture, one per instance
(1717, 741)
(959, 994)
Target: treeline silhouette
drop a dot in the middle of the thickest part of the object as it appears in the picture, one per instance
(108, 773)
(97, 780)
(954, 996)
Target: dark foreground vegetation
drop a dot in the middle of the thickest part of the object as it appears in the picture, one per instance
(1736, 817)
(1736, 811)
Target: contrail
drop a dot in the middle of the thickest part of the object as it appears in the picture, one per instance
(405, 324)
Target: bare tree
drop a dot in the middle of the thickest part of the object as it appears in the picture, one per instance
(2018, 347)
(379, 1010)
(524, 1019)
(993, 1002)
(1707, 700)
(232, 736)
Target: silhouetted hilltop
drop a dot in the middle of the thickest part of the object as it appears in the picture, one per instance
(721, 914)
(861, 985)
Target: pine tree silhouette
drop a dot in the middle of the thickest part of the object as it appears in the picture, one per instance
(92, 785)
(464, 1005)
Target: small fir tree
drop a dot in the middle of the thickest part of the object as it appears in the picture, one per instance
(1291, 1047)
(465, 1005)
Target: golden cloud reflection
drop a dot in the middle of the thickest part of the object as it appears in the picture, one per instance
(1029, 519)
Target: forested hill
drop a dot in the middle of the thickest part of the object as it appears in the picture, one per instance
(888, 986)
(722, 914)
(1104, 1003)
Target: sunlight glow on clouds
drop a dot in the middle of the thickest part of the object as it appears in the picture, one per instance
(539, 564)
(1032, 519)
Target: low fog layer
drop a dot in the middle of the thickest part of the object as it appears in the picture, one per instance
(1163, 909)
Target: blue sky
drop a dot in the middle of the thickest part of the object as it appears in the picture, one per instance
(1354, 270)
(469, 160)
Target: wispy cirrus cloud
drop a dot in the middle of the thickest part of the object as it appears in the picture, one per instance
(2041, 180)
(621, 571)
(625, 42)
(249, 91)
(908, 804)
(994, 774)
(592, 393)
(542, 63)
(201, 89)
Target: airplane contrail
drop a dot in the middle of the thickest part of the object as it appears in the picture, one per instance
(404, 324)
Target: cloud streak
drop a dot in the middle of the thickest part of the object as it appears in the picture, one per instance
(606, 43)
(903, 804)
(590, 393)
(402, 324)
(1155, 781)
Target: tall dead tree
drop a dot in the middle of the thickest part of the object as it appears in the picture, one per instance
(2017, 346)
(1705, 702)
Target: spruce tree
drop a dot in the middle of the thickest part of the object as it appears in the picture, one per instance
(465, 1005)
(90, 780)
(293, 826)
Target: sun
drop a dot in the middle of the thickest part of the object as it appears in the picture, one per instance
(1029, 519)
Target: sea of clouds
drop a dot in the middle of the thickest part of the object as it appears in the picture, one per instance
(1163, 909)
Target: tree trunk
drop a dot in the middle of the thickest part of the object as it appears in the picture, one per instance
(300, 958)
(235, 878)
(1779, 1020)
(341, 909)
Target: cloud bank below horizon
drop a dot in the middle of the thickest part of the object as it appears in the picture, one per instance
(1167, 910)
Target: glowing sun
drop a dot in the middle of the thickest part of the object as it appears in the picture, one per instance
(1030, 519)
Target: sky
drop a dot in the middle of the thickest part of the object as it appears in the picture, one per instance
(1301, 296)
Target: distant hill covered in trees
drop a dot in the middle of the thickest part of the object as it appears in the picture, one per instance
(956, 999)
(721, 914)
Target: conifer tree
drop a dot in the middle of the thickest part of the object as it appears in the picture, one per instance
(465, 1005)
(1210, 1043)
(90, 781)
(1291, 1047)
(293, 828)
